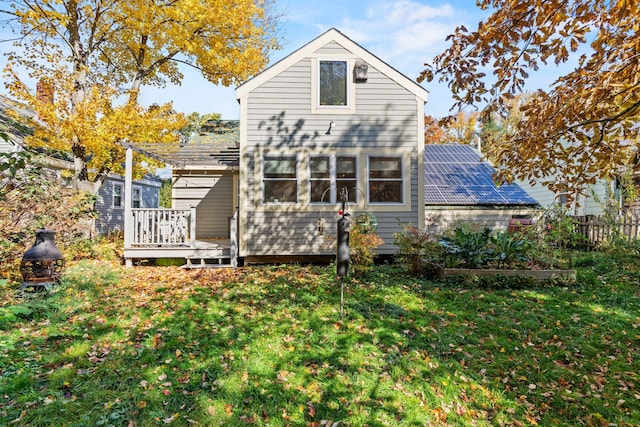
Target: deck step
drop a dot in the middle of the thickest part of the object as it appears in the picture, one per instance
(207, 263)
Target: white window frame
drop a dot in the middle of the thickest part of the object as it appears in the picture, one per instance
(349, 108)
(328, 196)
(114, 195)
(332, 196)
(356, 194)
(136, 196)
(263, 179)
(402, 178)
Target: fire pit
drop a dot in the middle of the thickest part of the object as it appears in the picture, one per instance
(43, 263)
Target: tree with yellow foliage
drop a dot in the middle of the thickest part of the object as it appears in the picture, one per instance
(93, 56)
(460, 128)
(433, 132)
(585, 126)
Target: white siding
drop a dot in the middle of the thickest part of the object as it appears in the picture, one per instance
(7, 147)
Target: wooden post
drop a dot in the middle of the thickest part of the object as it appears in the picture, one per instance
(128, 213)
(192, 227)
(233, 237)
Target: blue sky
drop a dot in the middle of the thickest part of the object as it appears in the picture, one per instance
(403, 33)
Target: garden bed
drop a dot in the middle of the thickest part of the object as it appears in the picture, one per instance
(540, 275)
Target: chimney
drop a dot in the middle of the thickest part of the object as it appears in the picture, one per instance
(44, 91)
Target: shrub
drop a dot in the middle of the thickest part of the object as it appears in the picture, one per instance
(467, 247)
(418, 249)
(28, 201)
(362, 250)
(510, 250)
(560, 228)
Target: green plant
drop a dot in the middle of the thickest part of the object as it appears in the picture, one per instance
(467, 246)
(30, 200)
(418, 249)
(510, 250)
(560, 228)
(362, 250)
(165, 194)
(554, 234)
(12, 313)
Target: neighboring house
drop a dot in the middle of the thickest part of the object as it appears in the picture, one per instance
(459, 188)
(14, 130)
(110, 204)
(592, 202)
(331, 116)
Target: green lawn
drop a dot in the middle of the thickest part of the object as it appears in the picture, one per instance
(266, 346)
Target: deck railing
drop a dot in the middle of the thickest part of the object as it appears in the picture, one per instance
(163, 227)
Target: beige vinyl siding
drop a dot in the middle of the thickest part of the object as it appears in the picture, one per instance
(296, 233)
(212, 196)
(279, 119)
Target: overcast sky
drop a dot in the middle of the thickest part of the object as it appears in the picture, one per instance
(403, 33)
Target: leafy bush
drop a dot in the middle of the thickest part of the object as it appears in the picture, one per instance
(510, 250)
(418, 249)
(30, 200)
(559, 228)
(467, 246)
(362, 250)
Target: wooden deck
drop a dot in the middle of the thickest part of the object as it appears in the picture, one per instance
(208, 251)
(171, 233)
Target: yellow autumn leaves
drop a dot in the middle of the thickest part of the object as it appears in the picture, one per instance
(95, 56)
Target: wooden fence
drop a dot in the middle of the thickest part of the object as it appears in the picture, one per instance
(597, 229)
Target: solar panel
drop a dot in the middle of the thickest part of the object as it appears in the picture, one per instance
(456, 174)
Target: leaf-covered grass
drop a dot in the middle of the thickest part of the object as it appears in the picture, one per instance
(266, 346)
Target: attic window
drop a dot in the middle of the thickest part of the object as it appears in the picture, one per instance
(333, 83)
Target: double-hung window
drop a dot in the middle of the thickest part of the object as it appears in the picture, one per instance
(385, 180)
(135, 199)
(279, 179)
(329, 176)
(117, 195)
(320, 179)
(346, 177)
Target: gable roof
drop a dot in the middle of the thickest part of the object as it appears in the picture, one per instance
(332, 35)
(457, 175)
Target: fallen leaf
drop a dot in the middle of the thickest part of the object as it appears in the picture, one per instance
(311, 409)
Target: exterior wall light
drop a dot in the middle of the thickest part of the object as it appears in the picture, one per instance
(361, 70)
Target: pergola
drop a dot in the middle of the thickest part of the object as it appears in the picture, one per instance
(217, 144)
